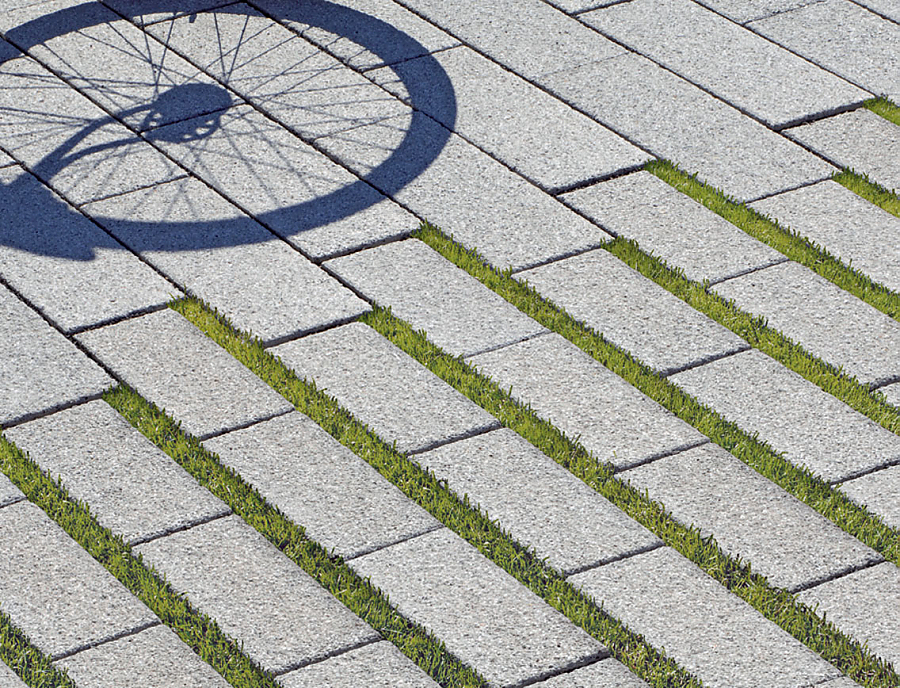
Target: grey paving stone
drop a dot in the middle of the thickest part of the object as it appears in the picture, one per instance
(171, 363)
(54, 591)
(673, 119)
(587, 401)
(750, 517)
(8, 679)
(864, 605)
(379, 665)
(823, 318)
(884, 7)
(94, 279)
(635, 313)
(341, 501)
(281, 616)
(155, 658)
(130, 485)
(482, 614)
(710, 632)
(565, 521)
(193, 235)
(490, 208)
(847, 226)
(892, 393)
(861, 46)
(743, 11)
(40, 369)
(842, 682)
(607, 673)
(812, 428)
(878, 492)
(5, 160)
(537, 135)
(148, 11)
(744, 69)
(860, 140)
(459, 314)
(9, 493)
(397, 397)
(672, 226)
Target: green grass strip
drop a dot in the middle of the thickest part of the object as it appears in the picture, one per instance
(434, 496)
(884, 108)
(197, 630)
(28, 662)
(334, 575)
(861, 185)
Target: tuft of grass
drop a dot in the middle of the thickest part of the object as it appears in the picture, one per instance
(27, 661)
(861, 185)
(884, 107)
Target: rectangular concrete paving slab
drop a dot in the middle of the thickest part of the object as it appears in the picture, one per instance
(632, 311)
(607, 673)
(343, 503)
(756, 76)
(672, 226)
(586, 400)
(41, 370)
(844, 224)
(743, 11)
(751, 517)
(459, 314)
(812, 428)
(55, 592)
(886, 8)
(9, 493)
(878, 493)
(130, 485)
(710, 632)
(8, 679)
(482, 614)
(565, 521)
(397, 397)
(171, 363)
(282, 618)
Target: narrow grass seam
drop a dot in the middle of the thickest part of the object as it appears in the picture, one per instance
(30, 664)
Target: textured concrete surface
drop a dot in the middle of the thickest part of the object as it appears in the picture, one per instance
(607, 673)
(8, 678)
(743, 11)
(878, 493)
(9, 493)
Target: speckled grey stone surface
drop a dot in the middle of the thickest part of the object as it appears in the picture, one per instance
(379, 665)
(878, 493)
(281, 616)
(846, 225)
(792, 415)
(341, 501)
(154, 658)
(842, 682)
(459, 313)
(864, 605)
(586, 400)
(48, 372)
(9, 493)
(173, 364)
(397, 397)
(484, 616)
(827, 321)
(607, 673)
(149, 11)
(632, 311)
(545, 507)
(672, 226)
(8, 678)
(54, 591)
(751, 517)
(710, 632)
(888, 8)
(743, 11)
(891, 393)
(130, 485)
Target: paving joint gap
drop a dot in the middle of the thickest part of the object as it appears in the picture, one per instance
(330, 655)
(574, 666)
(608, 176)
(104, 641)
(802, 185)
(613, 560)
(710, 359)
(475, 432)
(869, 471)
(497, 347)
(244, 426)
(118, 319)
(564, 256)
(835, 576)
(179, 529)
(117, 194)
(379, 548)
(749, 271)
(824, 114)
(663, 455)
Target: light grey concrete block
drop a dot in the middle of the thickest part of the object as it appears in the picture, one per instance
(632, 311)
(710, 632)
(155, 658)
(260, 598)
(9, 493)
(339, 499)
(459, 313)
(743, 11)
(54, 591)
(672, 226)
(812, 428)
(751, 517)
(892, 393)
(538, 136)
(94, 279)
(827, 321)
(864, 605)
(744, 69)
(845, 225)
(397, 397)
(379, 665)
(40, 369)
(587, 401)
(193, 235)
(490, 208)
(8, 678)
(5, 160)
(878, 493)
(607, 673)
(148, 11)
(861, 46)
(171, 363)
(673, 119)
(885, 8)
(860, 140)
(130, 485)
(482, 614)
(545, 507)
